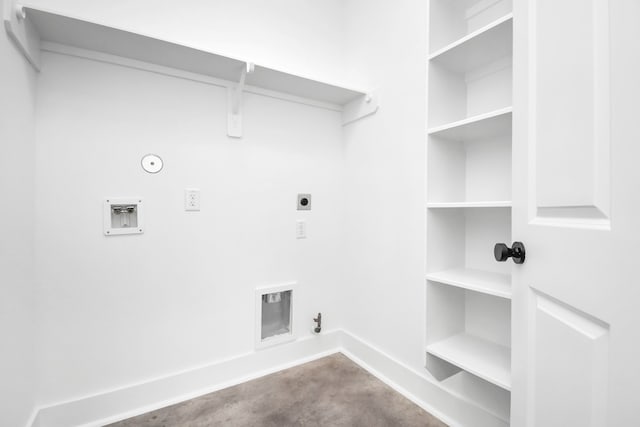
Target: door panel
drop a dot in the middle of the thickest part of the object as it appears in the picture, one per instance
(570, 92)
(570, 361)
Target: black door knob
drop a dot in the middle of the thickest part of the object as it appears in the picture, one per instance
(502, 252)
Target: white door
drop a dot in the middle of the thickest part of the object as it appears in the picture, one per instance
(576, 195)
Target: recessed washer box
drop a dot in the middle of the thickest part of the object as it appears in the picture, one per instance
(274, 315)
(123, 216)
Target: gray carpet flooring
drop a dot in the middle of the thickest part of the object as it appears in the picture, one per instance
(332, 391)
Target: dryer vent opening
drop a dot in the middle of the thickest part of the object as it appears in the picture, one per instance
(276, 314)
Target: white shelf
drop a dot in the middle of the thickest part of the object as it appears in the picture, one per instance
(482, 47)
(490, 283)
(489, 361)
(480, 204)
(60, 29)
(482, 126)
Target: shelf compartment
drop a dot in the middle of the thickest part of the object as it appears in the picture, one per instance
(490, 283)
(459, 99)
(486, 360)
(468, 331)
(464, 238)
(479, 204)
(481, 126)
(489, 397)
(479, 48)
(453, 20)
(60, 29)
(469, 174)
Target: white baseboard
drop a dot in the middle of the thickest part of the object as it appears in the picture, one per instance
(115, 405)
(34, 419)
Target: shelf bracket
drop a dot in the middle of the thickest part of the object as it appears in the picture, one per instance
(21, 31)
(360, 107)
(234, 103)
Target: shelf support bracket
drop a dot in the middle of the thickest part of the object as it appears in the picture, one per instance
(234, 103)
(21, 31)
(360, 107)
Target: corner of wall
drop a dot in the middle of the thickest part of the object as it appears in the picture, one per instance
(17, 189)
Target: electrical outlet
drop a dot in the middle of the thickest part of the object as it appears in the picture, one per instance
(301, 229)
(191, 199)
(304, 202)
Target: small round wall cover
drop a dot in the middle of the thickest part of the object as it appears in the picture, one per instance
(152, 163)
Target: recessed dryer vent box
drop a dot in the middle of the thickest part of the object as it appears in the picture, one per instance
(123, 216)
(274, 315)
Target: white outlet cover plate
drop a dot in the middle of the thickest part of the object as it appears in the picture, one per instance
(301, 229)
(192, 199)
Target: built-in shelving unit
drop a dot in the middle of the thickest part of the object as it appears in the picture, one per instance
(468, 333)
(34, 29)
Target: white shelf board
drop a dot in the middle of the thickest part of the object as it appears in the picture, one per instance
(487, 360)
(486, 282)
(482, 126)
(482, 47)
(66, 30)
(479, 204)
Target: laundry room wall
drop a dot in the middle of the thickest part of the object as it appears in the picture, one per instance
(385, 172)
(119, 310)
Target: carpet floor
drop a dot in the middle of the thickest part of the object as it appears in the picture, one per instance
(332, 391)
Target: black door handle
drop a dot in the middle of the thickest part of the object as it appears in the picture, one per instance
(502, 252)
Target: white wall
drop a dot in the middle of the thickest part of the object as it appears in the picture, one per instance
(385, 181)
(17, 142)
(115, 311)
(123, 309)
(303, 37)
